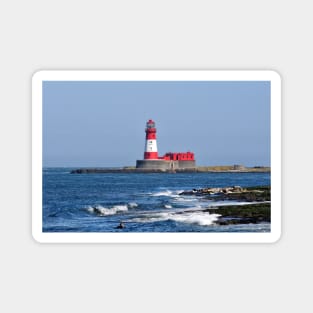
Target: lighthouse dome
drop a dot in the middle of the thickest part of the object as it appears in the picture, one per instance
(150, 124)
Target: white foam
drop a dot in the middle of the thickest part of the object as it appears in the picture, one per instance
(90, 209)
(229, 202)
(100, 210)
(181, 199)
(168, 206)
(199, 218)
(167, 193)
(132, 204)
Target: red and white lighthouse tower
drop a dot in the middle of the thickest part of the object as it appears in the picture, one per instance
(171, 161)
(151, 150)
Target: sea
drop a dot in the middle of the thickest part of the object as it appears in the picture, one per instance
(142, 202)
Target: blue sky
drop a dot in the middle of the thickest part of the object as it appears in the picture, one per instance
(102, 123)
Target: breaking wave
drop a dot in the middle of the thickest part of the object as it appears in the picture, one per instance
(199, 218)
(102, 211)
(202, 219)
(167, 193)
(132, 205)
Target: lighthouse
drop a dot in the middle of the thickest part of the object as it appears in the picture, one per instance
(171, 161)
(151, 150)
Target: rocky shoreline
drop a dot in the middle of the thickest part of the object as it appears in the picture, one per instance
(242, 214)
(258, 209)
(257, 193)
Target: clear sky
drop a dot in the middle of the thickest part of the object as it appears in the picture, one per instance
(102, 123)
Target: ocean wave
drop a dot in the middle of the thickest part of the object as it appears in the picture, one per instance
(132, 205)
(198, 218)
(103, 211)
(182, 199)
(202, 219)
(167, 193)
(230, 202)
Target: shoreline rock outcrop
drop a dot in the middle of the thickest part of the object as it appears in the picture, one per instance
(249, 194)
(258, 211)
(242, 214)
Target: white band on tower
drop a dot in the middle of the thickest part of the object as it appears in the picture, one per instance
(151, 145)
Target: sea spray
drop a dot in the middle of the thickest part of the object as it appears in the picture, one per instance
(199, 218)
(103, 211)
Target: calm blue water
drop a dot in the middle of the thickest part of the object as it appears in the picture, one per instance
(143, 202)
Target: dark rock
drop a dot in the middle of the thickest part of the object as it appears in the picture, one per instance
(251, 194)
(242, 214)
(120, 226)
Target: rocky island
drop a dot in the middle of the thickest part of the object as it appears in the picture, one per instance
(198, 169)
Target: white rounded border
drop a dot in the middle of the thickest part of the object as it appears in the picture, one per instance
(159, 75)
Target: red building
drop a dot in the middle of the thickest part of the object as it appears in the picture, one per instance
(178, 156)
